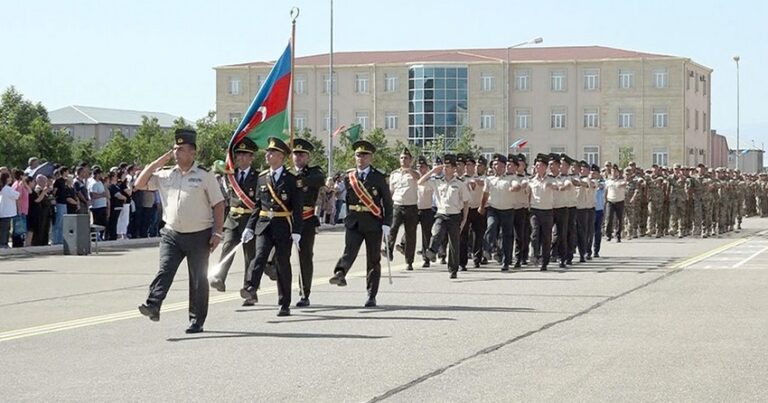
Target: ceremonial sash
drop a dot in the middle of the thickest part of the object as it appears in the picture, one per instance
(363, 195)
(239, 192)
(280, 203)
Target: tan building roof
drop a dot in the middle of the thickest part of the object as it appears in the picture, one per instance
(467, 56)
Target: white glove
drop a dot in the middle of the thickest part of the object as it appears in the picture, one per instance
(248, 234)
(296, 238)
(385, 230)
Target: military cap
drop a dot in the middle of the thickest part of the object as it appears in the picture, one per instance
(438, 160)
(246, 145)
(499, 158)
(595, 168)
(461, 158)
(568, 160)
(275, 144)
(482, 160)
(450, 159)
(406, 152)
(521, 158)
(701, 165)
(541, 158)
(584, 164)
(615, 166)
(553, 157)
(655, 166)
(185, 136)
(512, 159)
(470, 158)
(363, 147)
(422, 160)
(677, 166)
(302, 146)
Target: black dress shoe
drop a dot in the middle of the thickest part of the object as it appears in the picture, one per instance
(249, 302)
(400, 248)
(284, 311)
(477, 265)
(304, 302)
(430, 255)
(569, 262)
(425, 265)
(370, 303)
(218, 284)
(409, 267)
(582, 259)
(484, 261)
(338, 279)
(194, 328)
(518, 264)
(618, 240)
(589, 257)
(562, 265)
(525, 262)
(597, 254)
(463, 268)
(151, 311)
(505, 268)
(442, 260)
(249, 293)
(453, 274)
(543, 267)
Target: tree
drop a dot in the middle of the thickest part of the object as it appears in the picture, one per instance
(16, 148)
(318, 156)
(212, 139)
(466, 143)
(55, 146)
(19, 113)
(23, 125)
(150, 141)
(84, 150)
(117, 150)
(626, 154)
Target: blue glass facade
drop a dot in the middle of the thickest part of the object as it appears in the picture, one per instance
(437, 103)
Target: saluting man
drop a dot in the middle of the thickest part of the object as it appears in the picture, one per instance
(239, 212)
(404, 188)
(369, 216)
(275, 222)
(193, 211)
(543, 188)
(309, 180)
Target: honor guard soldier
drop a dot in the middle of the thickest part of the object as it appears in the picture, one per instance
(404, 188)
(452, 197)
(193, 211)
(473, 231)
(369, 216)
(241, 190)
(275, 222)
(309, 180)
(543, 188)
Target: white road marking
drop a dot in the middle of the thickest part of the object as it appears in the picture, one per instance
(750, 257)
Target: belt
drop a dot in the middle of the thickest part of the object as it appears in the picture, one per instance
(359, 208)
(271, 214)
(240, 210)
(307, 213)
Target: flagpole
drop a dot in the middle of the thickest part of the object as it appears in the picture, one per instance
(330, 101)
(294, 16)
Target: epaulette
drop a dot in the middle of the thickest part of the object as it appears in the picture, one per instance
(264, 172)
(380, 171)
(351, 170)
(202, 167)
(290, 173)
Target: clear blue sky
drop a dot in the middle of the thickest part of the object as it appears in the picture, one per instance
(159, 55)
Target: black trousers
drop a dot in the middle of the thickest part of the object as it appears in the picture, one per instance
(573, 237)
(500, 219)
(353, 239)
(409, 217)
(598, 230)
(447, 225)
(614, 211)
(476, 226)
(232, 240)
(281, 241)
(306, 254)
(560, 236)
(522, 234)
(583, 225)
(174, 247)
(426, 220)
(541, 234)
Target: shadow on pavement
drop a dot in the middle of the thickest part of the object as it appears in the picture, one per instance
(219, 334)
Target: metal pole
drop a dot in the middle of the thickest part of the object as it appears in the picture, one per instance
(294, 16)
(738, 150)
(507, 126)
(330, 101)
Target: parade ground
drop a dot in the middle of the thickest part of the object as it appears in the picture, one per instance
(650, 320)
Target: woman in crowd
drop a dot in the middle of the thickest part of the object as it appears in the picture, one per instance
(8, 198)
(60, 208)
(73, 205)
(40, 211)
(22, 209)
(120, 201)
(326, 201)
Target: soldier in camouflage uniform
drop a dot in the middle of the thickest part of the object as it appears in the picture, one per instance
(631, 203)
(750, 197)
(761, 188)
(656, 189)
(642, 218)
(722, 210)
(697, 197)
(707, 201)
(677, 201)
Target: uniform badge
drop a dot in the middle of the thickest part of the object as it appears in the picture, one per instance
(251, 193)
(284, 196)
(299, 183)
(375, 192)
(263, 187)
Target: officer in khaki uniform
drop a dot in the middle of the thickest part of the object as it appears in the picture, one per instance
(404, 188)
(499, 204)
(543, 188)
(475, 221)
(193, 211)
(241, 189)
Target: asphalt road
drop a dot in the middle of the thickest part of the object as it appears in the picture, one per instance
(651, 320)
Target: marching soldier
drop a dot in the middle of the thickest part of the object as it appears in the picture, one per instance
(275, 223)
(571, 202)
(309, 180)
(369, 207)
(193, 211)
(543, 188)
(585, 202)
(656, 189)
(472, 245)
(560, 210)
(426, 213)
(452, 196)
(614, 209)
(404, 188)
(523, 231)
(500, 216)
(241, 189)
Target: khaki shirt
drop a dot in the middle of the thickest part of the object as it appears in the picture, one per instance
(499, 196)
(450, 196)
(560, 196)
(476, 194)
(520, 197)
(571, 195)
(615, 190)
(585, 195)
(541, 197)
(425, 197)
(188, 198)
(404, 187)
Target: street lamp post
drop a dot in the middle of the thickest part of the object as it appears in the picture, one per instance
(738, 151)
(506, 75)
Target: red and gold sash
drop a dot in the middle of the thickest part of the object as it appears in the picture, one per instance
(363, 195)
(280, 203)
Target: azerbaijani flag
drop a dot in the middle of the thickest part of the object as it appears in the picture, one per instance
(267, 116)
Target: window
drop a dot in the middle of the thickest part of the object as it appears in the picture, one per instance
(660, 78)
(235, 117)
(362, 119)
(591, 118)
(390, 120)
(704, 122)
(438, 104)
(592, 155)
(234, 86)
(687, 118)
(522, 119)
(696, 82)
(660, 156)
(626, 79)
(327, 84)
(487, 120)
(558, 80)
(626, 118)
(361, 83)
(300, 84)
(259, 81)
(558, 118)
(390, 83)
(522, 81)
(299, 121)
(660, 117)
(486, 82)
(704, 84)
(696, 119)
(557, 149)
(591, 79)
(330, 126)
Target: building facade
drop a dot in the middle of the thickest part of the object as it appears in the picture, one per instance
(590, 102)
(749, 160)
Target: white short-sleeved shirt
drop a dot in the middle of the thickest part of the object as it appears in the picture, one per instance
(499, 196)
(450, 196)
(187, 198)
(404, 187)
(542, 198)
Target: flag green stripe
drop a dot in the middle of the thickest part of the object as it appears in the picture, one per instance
(275, 126)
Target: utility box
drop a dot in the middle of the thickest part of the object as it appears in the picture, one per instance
(76, 231)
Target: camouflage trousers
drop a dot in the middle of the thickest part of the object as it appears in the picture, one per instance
(676, 216)
(655, 218)
(697, 217)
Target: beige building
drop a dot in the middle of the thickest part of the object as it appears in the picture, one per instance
(589, 102)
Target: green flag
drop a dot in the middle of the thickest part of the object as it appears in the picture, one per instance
(353, 133)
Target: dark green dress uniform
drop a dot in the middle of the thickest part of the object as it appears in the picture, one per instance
(363, 225)
(237, 218)
(273, 220)
(309, 180)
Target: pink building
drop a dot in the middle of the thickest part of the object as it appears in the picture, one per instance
(718, 146)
